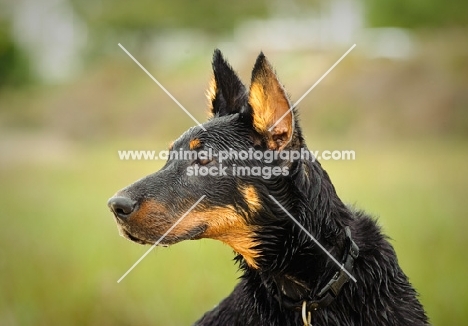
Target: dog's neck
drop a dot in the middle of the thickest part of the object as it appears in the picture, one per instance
(301, 275)
(294, 294)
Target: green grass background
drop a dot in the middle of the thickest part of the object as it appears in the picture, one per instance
(62, 256)
(60, 252)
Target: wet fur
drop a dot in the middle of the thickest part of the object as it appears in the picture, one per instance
(287, 263)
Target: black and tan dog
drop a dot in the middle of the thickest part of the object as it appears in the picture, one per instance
(287, 276)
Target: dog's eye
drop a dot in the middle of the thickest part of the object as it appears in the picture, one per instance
(203, 161)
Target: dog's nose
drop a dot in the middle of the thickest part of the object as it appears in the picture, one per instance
(122, 207)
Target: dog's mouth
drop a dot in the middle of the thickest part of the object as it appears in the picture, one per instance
(133, 238)
(163, 240)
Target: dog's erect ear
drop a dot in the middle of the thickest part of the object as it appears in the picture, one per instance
(226, 93)
(270, 103)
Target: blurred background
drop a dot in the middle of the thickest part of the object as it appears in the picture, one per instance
(70, 98)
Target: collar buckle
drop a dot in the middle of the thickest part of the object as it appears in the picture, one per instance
(334, 286)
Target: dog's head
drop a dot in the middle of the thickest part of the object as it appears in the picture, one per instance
(227, 168)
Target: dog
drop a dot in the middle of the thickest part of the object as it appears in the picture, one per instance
(306, 257)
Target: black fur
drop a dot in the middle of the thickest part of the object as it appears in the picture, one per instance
(290, 265)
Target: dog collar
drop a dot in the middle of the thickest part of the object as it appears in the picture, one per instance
(331, 290)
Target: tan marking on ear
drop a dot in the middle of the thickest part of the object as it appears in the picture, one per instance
(194, 144)
(211, 95)
(251, 197)
(269, 103)
(171, 145)
(263, 116)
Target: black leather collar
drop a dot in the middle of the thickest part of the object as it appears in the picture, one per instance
(331, 290)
